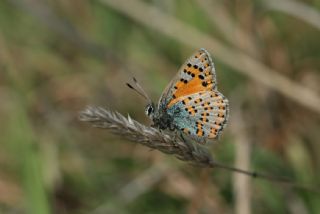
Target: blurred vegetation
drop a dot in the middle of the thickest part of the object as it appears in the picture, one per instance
(57, 56)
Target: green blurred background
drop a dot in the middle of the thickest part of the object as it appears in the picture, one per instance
(58, 56)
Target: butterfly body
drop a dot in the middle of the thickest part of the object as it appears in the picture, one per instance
(191, 103)
(169, 118)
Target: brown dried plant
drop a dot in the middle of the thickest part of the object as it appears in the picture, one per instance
(168, 143)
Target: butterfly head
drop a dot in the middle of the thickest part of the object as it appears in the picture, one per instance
(150, 107)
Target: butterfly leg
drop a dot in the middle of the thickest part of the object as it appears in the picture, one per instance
(182, 138)
(175, 135)
(186, 141)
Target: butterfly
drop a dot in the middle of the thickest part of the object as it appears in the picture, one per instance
(191, 103)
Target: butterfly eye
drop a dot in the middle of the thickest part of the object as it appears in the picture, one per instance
(149, 110)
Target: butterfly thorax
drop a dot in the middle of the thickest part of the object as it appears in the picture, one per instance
(161, 118)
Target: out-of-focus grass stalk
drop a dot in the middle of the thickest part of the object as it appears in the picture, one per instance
(231, 31)
(23, 143)
(21, 139)
(297, 9)
(242, 184)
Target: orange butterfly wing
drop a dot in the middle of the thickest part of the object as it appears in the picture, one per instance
(196, 74)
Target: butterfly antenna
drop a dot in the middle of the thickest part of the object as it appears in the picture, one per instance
(139, 92)
(141, 89)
